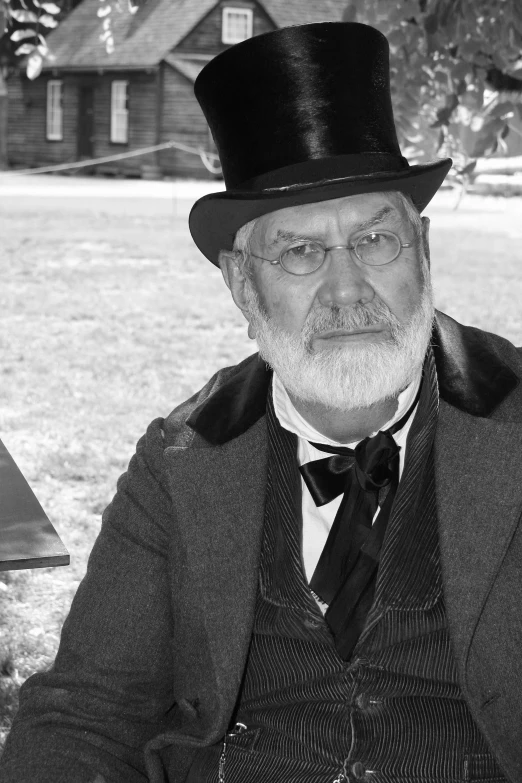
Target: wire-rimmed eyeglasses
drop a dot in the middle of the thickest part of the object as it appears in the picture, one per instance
(376, 248)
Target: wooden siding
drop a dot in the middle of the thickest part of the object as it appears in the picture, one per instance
(182, 120)
(27, 123)
(178, 116)
(141, 119)
(27, 143)
(205, 38)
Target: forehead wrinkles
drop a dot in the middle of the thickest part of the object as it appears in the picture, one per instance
(376, 218)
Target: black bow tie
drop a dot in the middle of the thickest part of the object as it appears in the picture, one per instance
(345, 574)
(372, 460)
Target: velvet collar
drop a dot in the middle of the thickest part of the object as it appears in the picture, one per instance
(471, 377)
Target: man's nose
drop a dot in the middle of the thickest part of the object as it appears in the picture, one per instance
(344, 283)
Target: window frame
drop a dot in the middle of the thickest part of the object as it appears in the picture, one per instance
(119, 113)
(54, 110)
(226, 37)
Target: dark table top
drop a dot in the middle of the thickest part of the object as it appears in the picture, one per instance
(27, 537)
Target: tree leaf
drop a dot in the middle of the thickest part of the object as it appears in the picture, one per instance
(19, 35)
(410, 8)
(469, 168)
(23, 16)
(460, 70)
(50, 8)
(502, 109)
(486, 142)
(431, 24)
(350, 13)
(47, 21)
(34, 65)
(25, 48)
(396, 37)
(470, 47)
(441, 77)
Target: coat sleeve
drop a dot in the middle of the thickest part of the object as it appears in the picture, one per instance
(87, 719)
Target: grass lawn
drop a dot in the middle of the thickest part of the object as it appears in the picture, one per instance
(109, 318)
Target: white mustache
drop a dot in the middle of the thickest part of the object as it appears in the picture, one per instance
(358, 316)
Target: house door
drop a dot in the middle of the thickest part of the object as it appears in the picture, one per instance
(86, 122)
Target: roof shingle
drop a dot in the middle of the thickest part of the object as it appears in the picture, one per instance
(143, 40)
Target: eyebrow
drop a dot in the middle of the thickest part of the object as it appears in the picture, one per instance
(288, 236)
(379, 216)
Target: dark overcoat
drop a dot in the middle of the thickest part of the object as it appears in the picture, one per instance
(154, 648)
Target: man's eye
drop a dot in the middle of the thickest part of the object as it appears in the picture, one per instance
(372, 239)
(303, 250)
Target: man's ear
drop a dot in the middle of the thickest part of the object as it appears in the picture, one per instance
(235, 277)
(425, 230)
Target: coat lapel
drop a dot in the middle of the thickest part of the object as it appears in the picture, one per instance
(220, 495)
(479, 502)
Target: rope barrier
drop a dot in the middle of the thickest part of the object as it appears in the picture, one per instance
(213, 166)
(209, 159)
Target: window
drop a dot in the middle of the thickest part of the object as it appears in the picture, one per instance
(54, 110)
(237, 25)
(119, 112)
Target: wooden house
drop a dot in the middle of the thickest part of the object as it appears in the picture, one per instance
(89, 103)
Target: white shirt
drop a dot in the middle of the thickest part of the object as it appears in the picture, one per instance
(317, 520)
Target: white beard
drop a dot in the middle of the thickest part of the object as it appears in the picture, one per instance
(345, 377)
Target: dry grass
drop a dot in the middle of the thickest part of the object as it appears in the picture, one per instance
(109, 318)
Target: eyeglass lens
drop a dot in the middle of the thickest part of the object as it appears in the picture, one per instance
(374, 249)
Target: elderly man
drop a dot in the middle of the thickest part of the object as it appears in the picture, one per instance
(311, 569)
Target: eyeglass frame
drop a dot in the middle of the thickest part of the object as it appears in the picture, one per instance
(352, 247)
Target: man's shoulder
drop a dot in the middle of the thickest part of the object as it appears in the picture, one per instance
(501, 345)
(176, 431)
(507, 351)
(478, 371)
(476, 339)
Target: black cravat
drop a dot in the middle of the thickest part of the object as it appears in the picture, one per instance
(346, 572)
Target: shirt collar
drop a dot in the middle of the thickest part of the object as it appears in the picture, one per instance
(290, 418)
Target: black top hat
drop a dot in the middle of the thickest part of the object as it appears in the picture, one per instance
(299, 115)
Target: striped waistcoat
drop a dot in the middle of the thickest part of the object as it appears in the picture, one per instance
(395, 711)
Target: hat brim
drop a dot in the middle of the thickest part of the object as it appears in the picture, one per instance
(215, 218)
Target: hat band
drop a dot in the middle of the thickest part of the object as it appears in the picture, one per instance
(318, 170)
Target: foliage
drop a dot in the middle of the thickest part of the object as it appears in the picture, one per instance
(27, 23)
(452, 60)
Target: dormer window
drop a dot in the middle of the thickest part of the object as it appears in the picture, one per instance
(237, 25)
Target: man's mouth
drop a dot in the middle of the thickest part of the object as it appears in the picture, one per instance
(358, 332)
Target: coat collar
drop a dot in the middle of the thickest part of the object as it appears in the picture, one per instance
(471, 376)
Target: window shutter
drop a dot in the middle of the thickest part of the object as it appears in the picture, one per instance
(119, 112)
(54, 130)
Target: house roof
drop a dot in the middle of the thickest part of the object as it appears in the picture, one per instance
(289, 12)
(144, 39)
(187, 67)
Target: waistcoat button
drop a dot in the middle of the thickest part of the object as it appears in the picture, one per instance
(358, 770)
(312, 623)
(363, 701)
